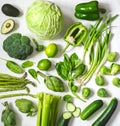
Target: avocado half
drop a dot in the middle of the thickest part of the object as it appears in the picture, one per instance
(7, 26)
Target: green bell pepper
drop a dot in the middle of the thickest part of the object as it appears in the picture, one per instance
(75, 34)
(88, 11)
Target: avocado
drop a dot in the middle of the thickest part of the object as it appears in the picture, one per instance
(10, 10)
(7, 26)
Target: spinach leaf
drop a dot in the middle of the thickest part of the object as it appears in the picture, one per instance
(34, 74)
(75, 61)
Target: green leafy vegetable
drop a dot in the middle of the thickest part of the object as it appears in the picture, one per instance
(69, 70)
(48, 21)
(34, 74)
(26, 106)
(27, 64)
(8, 116)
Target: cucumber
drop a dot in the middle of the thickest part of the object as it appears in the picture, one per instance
(77, 112)
(70, 107)
(63, 120)
(105, 116)
(10, 10)
(91, 108)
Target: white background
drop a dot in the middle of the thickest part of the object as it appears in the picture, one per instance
(67, 8)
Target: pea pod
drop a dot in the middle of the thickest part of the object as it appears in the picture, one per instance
(14, 67)
(27, 64)
(52, 82)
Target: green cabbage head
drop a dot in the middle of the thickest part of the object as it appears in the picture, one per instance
(44, 19)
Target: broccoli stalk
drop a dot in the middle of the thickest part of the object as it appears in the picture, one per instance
(38, 46)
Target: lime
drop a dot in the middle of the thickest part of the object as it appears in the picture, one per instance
(51, 50)
(44, 64)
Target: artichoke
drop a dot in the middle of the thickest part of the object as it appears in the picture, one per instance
(8, 116)
(52, 82)
(26, 106)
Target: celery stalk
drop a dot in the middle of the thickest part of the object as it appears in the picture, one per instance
(40, 106)
(47, 109)
(47, 100)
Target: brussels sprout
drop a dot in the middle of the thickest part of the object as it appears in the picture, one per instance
(115, 68)
(116, 82)
(99, 80)
(112, 56)
(86, 92)
(102, 92)
(105, 70)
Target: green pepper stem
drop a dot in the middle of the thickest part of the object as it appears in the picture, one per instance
(65, 48)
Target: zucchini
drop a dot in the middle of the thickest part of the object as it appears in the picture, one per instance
(7, 26)
(91, 108)
(63, 120)
(105, 116)
(10, 10)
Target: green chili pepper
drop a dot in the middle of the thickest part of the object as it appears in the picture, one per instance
(88, 10)
(75, 34)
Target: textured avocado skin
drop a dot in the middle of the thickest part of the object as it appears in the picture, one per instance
(10, 10)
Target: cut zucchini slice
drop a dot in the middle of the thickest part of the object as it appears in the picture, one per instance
(7, 26)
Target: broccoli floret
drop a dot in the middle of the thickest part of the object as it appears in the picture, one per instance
(17, 46)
